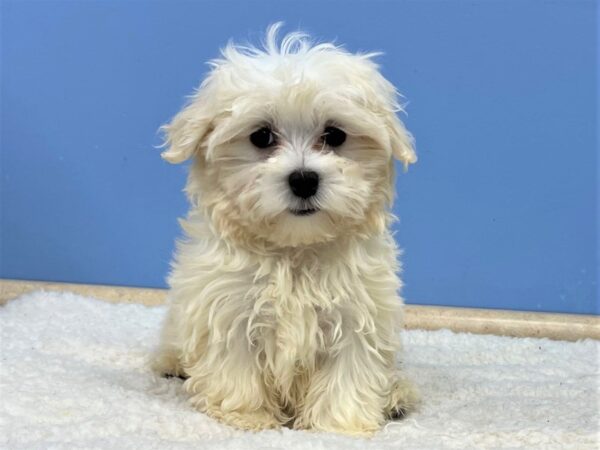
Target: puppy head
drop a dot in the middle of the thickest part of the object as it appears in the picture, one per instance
(293, 143)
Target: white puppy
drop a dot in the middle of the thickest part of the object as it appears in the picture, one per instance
(285, 306)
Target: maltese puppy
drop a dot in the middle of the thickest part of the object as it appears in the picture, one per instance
(284, 294)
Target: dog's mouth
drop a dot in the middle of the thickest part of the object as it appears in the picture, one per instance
(304, 212)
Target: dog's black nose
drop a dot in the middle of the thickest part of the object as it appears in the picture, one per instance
(304, 183)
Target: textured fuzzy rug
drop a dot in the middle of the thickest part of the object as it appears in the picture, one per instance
(74, 374)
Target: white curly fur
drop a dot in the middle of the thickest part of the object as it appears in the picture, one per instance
(277, 318)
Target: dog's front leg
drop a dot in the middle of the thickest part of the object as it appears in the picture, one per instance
(227, 384)
(348, 393)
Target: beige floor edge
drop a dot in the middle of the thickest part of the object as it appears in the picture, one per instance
(569, 327)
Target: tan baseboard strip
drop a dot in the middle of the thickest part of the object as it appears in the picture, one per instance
(564, 327)
(568, 327)
(10, 289)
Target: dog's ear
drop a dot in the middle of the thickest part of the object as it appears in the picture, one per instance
(185, 133)
(401, 141)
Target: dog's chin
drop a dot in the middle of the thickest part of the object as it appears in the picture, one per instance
(301, 227)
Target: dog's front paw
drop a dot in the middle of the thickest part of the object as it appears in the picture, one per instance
(166, 364)
(337, 416)
(257, 420)
(403, 399)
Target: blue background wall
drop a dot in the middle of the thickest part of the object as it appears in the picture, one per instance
(501, 210)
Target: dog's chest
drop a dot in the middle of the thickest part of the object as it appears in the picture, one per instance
(304, 309)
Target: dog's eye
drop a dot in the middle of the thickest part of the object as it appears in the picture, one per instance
(263, 138)
(334, 137)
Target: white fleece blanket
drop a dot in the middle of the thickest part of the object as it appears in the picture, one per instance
(74, 375)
